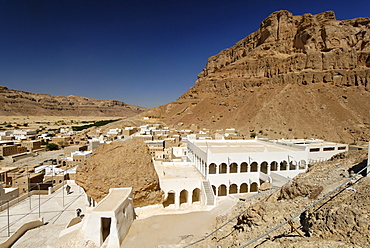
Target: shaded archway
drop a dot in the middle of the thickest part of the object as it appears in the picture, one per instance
(170, 199)
(196, 195)
(283, 165)
(264, 167)
(254, 167)
(274, 166)
(243, 188)
(302, 164)
(233, 168)
(222, 190)
(254, 187)
(212, 168)
(244, 167)
(222, 168)
(292, 165)
(233, 189)
(183, 196)
(214, 190)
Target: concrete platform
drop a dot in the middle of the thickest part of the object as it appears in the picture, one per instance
(56, 209)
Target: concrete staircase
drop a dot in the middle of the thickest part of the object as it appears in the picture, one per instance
(210, 198)
(278, 180)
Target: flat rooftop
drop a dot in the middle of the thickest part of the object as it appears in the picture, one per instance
(241, 146)
(114, 198)
(309, 142)
(173, 170)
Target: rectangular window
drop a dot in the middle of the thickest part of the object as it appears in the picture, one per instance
(329, 149)
(314, 149)
(342, 148)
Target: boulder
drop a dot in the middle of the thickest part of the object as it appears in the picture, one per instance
(121, 164)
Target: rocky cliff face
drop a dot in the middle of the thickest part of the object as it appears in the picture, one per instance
(121, 164)
(297, 76)
(14, 102)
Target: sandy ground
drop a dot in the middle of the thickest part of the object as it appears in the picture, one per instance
(175, 230)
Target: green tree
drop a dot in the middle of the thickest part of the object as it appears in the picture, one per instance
(51, 147)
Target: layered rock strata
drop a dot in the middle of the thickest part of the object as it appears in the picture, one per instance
(15, 102)
(296, 76)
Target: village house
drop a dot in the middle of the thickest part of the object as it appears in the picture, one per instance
(32, 145)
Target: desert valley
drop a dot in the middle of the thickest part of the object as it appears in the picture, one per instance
(269, 148)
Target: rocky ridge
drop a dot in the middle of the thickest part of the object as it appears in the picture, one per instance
(296, 76)
(15, 102)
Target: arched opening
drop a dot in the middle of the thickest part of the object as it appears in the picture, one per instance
(183, 196)
(222, 190)
(223, 168)
(214, 190)
(254, 187)
(292, 165)
(196, 195)
(244, 167)
(170, 199)
(254, 167)
(233, 189)
(302, 164)
(283, 165)
(212, 168)
(273, 166)
(233, 168)
(243, 188)
(264, 167)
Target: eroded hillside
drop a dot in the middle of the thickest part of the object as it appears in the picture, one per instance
(297, 76)
(15, 102)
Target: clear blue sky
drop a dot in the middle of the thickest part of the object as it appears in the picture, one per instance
(144, 53)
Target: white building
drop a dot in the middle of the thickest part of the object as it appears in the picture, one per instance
(240, 166)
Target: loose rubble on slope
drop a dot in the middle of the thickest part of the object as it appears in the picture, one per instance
(340, 220)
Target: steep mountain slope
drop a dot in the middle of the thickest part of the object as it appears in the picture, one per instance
(297, 76)
(14, 102)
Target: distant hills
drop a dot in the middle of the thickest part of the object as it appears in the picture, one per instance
(15, 102)
(296, 76)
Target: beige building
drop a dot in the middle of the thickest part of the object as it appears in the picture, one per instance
(32, 145)
(9, 150)
(27, 182)
(68, 150)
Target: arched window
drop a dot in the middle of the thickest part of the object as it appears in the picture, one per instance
(212, 168)
(302, 164)
(254, 167)
(244, 167)
(222, 168)
(222, 190)
(233, 189)
(264, 167)
(233, 168)
(283, 165)
(196, 195)
(170, 199)
(292, 165)
(273, 166)
(254, 187)
(214, 190)
(243, 188)
(183, 196)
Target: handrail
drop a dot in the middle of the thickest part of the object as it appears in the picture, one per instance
(305, 209)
